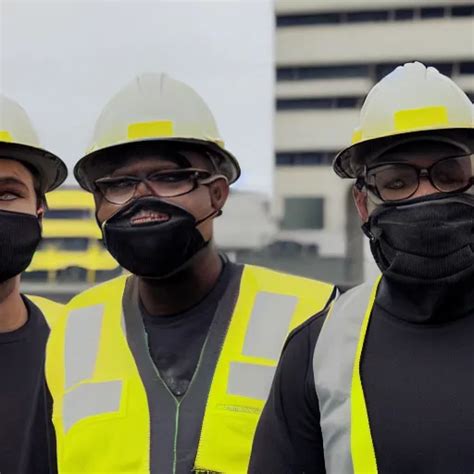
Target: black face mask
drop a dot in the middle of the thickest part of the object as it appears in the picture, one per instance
(424, 240)
(20, 235)
(155, 249)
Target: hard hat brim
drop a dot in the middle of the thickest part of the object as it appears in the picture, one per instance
(51, 170)
(349, 162)
(89, 168)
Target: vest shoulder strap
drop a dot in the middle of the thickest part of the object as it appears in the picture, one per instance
(50, 309)
(100, 294)
(336, 367)
(313, 295)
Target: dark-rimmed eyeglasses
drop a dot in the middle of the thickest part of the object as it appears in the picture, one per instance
(166, 184)
(398, 181)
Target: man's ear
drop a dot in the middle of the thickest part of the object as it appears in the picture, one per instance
(219, 192)
(360, 200)
(40, 213)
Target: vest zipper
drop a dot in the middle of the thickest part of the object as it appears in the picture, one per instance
(177, 402)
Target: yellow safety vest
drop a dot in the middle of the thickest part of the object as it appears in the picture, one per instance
(102, 414)
(51, 310)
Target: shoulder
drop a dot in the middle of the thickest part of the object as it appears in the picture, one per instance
(98, 294)
(51, 310)
(306, 334)
(286, 283)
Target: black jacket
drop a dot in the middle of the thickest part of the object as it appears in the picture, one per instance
(418, 377)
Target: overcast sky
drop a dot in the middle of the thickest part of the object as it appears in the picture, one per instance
(62, 60)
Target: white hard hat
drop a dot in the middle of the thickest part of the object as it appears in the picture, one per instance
(154, 108)
(18, 141)
(411, 101)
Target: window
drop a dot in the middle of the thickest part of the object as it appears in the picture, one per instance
(443, 68)
(433, 12)
(466, 68)
(311, 19)
(367, 16)
(464, 10)
(68, 214)
(303, 213)
(318, 103)
(304, 103)
(348, 102)
(305, 158)
(298, 73)
(404, 14)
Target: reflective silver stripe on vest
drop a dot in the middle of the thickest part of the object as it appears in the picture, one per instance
(91, 399)
(268, 326)
(333, 363)
(250, 380)
(82, 341)
(266, 333)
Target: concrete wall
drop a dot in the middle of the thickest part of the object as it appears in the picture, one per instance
(363, 43)
(305, 181)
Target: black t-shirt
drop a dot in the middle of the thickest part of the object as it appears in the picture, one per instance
(176, 341)
(26, 436)
(418, 379)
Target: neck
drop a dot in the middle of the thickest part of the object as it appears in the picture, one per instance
(184, 289)
(427, 303)
(13, 312)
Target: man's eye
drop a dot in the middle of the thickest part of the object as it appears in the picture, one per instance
(7, 196)
(169, 177)
(395, 184)
(120, 184)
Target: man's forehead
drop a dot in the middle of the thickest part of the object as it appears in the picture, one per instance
(9, 167)
(169, 159)
(425, 151)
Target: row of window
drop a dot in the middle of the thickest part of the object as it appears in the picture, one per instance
(302, 103)
(69, 214)
(318, 103)
(363, 16)
(305, 158)
(374, 72)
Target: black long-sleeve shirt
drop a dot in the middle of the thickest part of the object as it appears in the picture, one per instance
(418, 377)
(27, 444)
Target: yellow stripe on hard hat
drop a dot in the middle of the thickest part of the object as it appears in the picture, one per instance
(357, 136)
(157, 129)
(413, 119)
(5, 136)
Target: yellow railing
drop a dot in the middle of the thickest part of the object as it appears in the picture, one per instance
(51, 258)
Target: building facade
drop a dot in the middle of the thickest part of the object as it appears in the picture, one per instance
(328, 55)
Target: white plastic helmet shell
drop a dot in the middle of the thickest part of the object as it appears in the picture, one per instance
(156, 107)
(410, 100)
(19, 141)
(15, 126)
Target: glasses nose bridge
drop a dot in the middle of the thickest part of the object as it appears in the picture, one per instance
(143, 187)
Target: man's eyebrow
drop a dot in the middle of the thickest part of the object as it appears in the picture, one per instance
(13, 180)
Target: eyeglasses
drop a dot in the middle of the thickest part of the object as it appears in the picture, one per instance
(398, 181)
(122, 189)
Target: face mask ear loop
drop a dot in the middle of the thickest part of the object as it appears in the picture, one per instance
(215, 213)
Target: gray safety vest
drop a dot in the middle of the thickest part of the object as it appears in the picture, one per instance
(348, 446)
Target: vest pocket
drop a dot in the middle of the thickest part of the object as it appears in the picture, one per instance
(92, 401)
